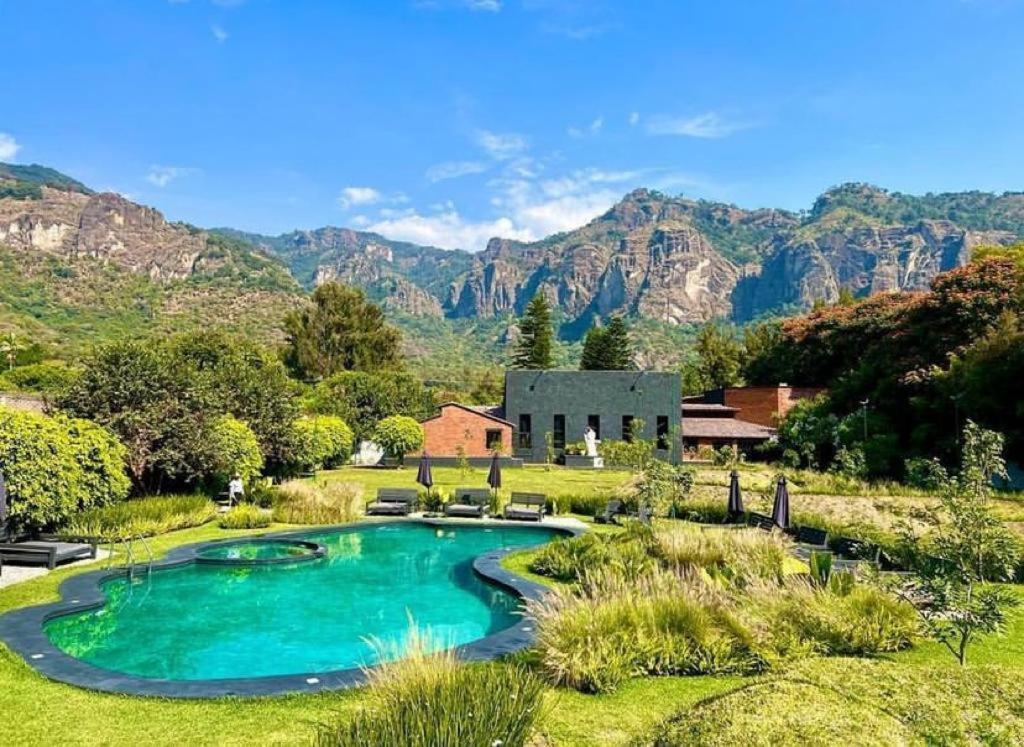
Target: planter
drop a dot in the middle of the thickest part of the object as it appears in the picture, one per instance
(580, 461)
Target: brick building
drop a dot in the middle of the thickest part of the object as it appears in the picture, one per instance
(479, 431)
(764, 405)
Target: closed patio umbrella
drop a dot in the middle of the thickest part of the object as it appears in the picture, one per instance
(780, 511)
(494, 476)
(424, 476)
(735, 507)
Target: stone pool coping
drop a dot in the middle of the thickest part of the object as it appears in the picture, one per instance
(22, 629)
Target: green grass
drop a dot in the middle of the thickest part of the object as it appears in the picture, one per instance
(39, 712)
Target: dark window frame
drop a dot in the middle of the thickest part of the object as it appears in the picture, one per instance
(489, 435)
(558, 439)
(661, 433)
(524, 437)
(627, 428)
(594, 421)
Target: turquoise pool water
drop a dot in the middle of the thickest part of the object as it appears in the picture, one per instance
(201, 622)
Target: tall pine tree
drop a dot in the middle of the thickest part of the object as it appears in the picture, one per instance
(607, 348)
(536, 339)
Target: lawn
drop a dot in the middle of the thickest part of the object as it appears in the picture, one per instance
(42, 712)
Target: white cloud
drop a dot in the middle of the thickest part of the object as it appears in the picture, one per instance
(501, 145)
(634, 119)
(359, 196)
(161, 176)
(593, 128)
(706, 125)
(219, 33)
(439, 172)
(9, 147)
(447, 229)
(491, 6)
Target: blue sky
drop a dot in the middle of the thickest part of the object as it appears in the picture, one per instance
(451, 121)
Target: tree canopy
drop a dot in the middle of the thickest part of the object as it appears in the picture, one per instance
(718, 359)
(608, 348)
(535, 347)
(340, 331)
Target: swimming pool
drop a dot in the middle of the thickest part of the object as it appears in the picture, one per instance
(302, 609)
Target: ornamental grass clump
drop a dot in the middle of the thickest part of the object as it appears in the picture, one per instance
(734, 555)
(425, 699)
(302, 502)
(612, 629)
(144, 517)
(574, 558)
(838, 620)
(245, 516)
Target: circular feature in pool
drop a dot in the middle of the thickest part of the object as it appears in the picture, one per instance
(243, 611)
(261, 551)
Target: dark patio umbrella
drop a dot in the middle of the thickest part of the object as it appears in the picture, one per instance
(424, 476)
(780, 511)
(735, 497)
(494, 476)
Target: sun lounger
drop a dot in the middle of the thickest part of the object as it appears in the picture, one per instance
(393, 502)
(855, 549)
(760, 521)
(811, 536)
(526, 507)
(612, 510)
(45, 552)
(468, 502)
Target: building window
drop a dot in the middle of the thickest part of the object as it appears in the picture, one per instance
(492, 439)
(627, 428)
(558, 432)
(525, 431)
(662, 432)
(594, 421)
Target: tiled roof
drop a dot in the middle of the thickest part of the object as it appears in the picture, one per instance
(493, 412)
(724, 428)
(699, 408)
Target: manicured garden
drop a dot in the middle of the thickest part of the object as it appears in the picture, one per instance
(744, 683)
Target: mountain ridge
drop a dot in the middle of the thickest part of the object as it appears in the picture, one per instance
(666, 260)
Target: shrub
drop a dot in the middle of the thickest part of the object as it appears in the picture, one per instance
(702, 510)
(926, 474)
(863, 620)
(237, 452)
(661, 624)
(45, 378)
(398, 435)
(56, 468)
(425, 699)
(245, 516)
(736, 555)
(302, 502)
(630, 454)
(143, 517)
(322, 441)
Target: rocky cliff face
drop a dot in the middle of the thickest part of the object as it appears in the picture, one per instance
(103, 226)
(669, 259)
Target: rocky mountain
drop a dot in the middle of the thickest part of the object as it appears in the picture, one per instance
(76, 266)
(673, 260)
(665, 260)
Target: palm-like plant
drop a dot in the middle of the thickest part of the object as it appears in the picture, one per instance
(10, 346)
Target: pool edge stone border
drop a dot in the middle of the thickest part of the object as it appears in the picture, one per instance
(22, 629)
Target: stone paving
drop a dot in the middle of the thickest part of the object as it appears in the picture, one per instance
(15, 574)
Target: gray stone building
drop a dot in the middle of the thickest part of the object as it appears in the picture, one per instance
(564, 403)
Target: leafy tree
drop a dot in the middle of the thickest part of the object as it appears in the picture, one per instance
(398, 435)
(10, 347)
(969, 547)
(363, 399)
(322, 441)
(489, 388)
(607, 348)
(718, 359)
(56, 467)
(163, 398)
(236, 450)
(340, 331)
(534, 349)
